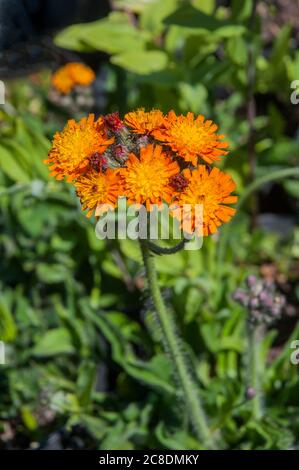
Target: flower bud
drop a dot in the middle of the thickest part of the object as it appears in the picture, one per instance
(113, 122)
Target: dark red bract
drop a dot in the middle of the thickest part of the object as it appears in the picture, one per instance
(179, 182)
(98, 162)
(120, 151)
(113, 122)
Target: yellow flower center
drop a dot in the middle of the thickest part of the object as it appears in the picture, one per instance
(146, 180)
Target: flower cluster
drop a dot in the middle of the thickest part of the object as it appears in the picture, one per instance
(264, 303)
(149, 158)
(73, 74)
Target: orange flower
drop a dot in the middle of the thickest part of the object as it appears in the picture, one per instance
(146, 179)
(62, 81)
(192, 137)
(142, 122)
(81, 74)
(212, 190)
(70, 75)
(73, 147)
(98, 191)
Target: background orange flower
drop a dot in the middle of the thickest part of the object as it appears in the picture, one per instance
(70, 75)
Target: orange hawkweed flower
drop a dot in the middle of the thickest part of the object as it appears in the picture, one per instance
(62, 82)
(70, 75)
(146, 179)
(192, 137)
(212, 190)
(142, 122)
(72, 148)
(98, 191)
(81, 74)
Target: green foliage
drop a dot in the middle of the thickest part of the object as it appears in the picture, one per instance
(82, 339)
(112, 35)
(142, 62)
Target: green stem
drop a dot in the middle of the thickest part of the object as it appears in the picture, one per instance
(256, 371)
(195, 411)
(16, 188)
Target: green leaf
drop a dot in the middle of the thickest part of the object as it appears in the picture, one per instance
(292, 187)
(73, 38)
(54, 342)
(241, 11)
(10, 165)
(284, 150)
(193, 97)
(170, 264)
(180, 440)
(28, 418)
(153, 15)
(155, 373)
(112, 34)
(232, 343)
(85, 382)
(237, 50)
(51, 273)
(190, 17)
(200, 23)
(96, 426)
(292, 66)
(117, 438)
(207, 6)
(210, 334)
(281, 46)
(141, 62)
(131, 249)
(8, 327)
(65, 403)
(165, 78)
(33, 146)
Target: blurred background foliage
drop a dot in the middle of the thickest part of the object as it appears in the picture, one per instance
(84, 368)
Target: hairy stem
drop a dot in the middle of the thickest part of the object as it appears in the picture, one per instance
(256, 371)
(195, 411)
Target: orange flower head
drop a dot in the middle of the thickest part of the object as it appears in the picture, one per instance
(142, 122)
(213, 190)
(62, 82)
(72, 148)
(191, 137)
(81, 74)
(98, 191)
(146, 179)
(71, 75)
